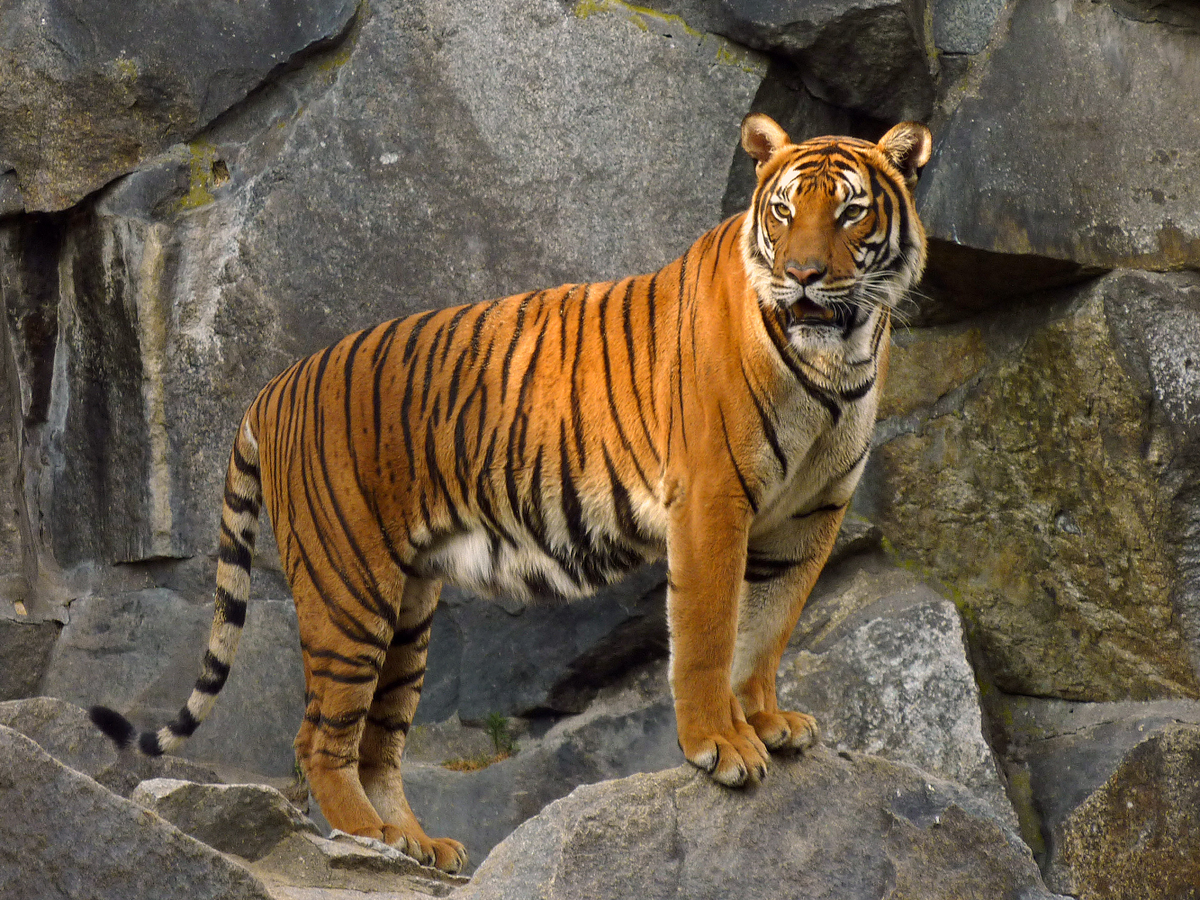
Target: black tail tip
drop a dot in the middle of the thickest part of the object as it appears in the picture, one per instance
(113, 724)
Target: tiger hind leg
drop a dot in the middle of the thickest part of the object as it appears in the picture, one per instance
(393, 706)
(344, 647)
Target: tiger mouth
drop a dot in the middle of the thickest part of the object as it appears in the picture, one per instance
(808, 312)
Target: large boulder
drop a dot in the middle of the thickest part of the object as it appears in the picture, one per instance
(88, 90)
(511, 658)
(818, 39)
(1139, 834)
(878, 658)
(1047, 473)
(1076, 139)
(65, 732)
(140, 653)
(1110, 789)
(65, 836)
(881, 661)
(248, 820)
(822, 825)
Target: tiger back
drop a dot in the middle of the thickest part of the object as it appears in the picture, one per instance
(717, 413)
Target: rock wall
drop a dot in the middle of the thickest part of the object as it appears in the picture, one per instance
(187, 204)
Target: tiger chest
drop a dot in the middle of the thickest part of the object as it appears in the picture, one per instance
(825, 461)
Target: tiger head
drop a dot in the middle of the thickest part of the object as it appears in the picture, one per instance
(832, 234)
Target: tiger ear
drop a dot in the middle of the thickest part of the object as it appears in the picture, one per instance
(907, 146)
(762, 138)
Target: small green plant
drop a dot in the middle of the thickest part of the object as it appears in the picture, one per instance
(502, 739)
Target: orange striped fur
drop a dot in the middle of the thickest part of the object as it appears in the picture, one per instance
(717, 412)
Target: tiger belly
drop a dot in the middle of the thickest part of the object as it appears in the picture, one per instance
(479, 562)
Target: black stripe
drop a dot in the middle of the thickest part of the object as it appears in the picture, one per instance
(515, 457)
(355, 661)
(678, 374)
(418, 325)
(339, 678)
(400, 681)
(768, 426)
(518, 330)
(576, 402)
(214, 675)
(857, 393)
(651, 316)
(233, 552)
(427, 380)
(736, 468)
(615, 414)
(185, 725)
(634, 380)
(231, 609)
(571, 506)
(854, 465)
(337, 723)
(760, 568)
(483, 497)
(455, 320)
(242, 464)
(404, 636)
(434, 473)
(382, 353)
(622, 509)
(240, 505)
(392, 724)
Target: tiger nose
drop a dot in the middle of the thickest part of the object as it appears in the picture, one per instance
(805, 273)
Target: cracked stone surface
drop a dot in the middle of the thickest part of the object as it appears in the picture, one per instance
(854, 827)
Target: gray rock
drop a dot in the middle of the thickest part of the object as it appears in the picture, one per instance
(877, 657)
(633, 731)
(247, 820)
(964, 26)
(25, 647)
(90, 90)
(308, 867)
(10, 194)
(140, 653)
(73, 839)
(845, 826)
(1075, 142)
(504, 657)
(818, 38)
(1059, 754)
(66, 733)
(1139, 834)
(1048, 473)
(881, 661)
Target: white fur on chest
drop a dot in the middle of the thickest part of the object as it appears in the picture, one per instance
(825, 459)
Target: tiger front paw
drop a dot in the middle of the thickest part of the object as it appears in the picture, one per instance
(733, 757)
(445, 854)
(785, 730)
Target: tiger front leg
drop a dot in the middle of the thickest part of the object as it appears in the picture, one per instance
(706, 555)
(781, 570)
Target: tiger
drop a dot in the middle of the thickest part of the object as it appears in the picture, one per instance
(717, 413)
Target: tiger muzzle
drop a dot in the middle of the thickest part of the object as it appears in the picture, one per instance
(805, 311)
